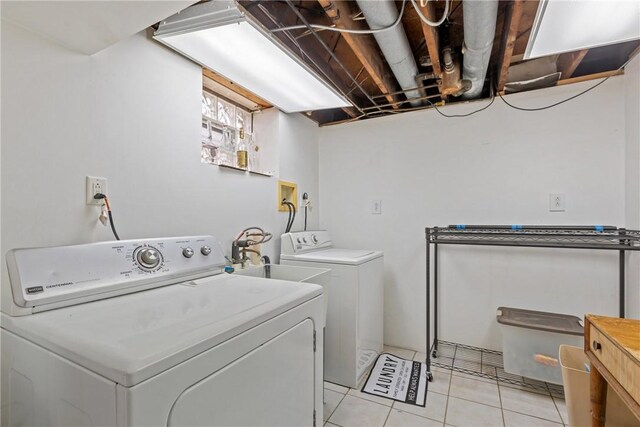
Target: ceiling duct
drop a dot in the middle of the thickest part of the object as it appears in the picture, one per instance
(479, 30)
(393, 43)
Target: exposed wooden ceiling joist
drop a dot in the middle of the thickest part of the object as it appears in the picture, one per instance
(588, 77)
(355, 65)
(509, 35)
(363, 46)
(568, 62)
(529, 11)
(431, 38)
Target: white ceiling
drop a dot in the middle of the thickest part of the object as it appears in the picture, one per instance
(91, 25)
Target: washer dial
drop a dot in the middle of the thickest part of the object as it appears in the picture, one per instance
(148, 258)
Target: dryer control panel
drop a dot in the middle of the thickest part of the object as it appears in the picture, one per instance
(66, 275)
(304, 241)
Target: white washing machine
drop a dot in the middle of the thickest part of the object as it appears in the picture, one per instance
(151, 332)
(354, 331)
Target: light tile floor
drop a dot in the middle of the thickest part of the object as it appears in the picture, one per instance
(453, 399)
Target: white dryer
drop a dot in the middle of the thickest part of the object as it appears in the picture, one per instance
(150, 333)
(354, 328)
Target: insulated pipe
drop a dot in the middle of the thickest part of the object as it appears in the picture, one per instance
(479, 30)
(393, 43)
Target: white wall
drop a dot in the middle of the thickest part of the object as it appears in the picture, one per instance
(632, 168)
(496, 167)
(130, 113)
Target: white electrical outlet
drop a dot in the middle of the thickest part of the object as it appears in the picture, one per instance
(95, 184)
(376, 207)
(556, 203)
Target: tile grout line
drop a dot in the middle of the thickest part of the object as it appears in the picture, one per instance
(554, 403)
(553, 399)
(388, 414)
(334, 409)
(446, 407)
(504, 421)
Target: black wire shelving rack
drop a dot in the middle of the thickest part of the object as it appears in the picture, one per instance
(488, 363)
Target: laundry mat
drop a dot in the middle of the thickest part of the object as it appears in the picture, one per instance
(398, 379)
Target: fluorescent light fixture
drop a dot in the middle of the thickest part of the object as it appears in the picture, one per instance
(566, 26)
(219, 37)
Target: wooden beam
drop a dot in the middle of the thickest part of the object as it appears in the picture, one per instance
(568, 62)
(431, 38)
(363, 46)
(235, 88)
(509, 35)
(529, 12)
(590, 77)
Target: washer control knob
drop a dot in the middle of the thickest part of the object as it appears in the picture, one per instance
(149, 258)
(299, 240)
(205, 250)
(187, 252)
(314, 239)
(304, 239)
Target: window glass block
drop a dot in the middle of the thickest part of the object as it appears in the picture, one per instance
(243, 120)
(226, 113)
(209, 105)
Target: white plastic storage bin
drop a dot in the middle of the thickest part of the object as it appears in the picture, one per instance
(531, 341)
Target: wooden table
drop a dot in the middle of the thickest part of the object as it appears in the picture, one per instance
(613, 348)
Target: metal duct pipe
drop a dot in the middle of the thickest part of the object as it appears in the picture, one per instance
(393, 43)
(479, 30)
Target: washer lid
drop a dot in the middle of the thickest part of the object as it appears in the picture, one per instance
(133, 337)
(336, 256)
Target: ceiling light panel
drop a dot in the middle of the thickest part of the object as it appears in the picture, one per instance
(569, 25)
(243, 53)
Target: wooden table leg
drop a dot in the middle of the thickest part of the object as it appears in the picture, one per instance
(598, 398)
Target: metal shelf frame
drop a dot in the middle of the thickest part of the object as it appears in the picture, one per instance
(596, 237)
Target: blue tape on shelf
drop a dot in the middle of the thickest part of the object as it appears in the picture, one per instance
(461, 226)
(599, 228)
(516, 227)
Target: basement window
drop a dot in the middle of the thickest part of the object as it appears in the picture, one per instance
(227, 135)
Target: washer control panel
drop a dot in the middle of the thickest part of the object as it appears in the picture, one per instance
(66, 275)
(303, 241)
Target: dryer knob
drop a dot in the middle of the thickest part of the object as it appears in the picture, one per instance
(187, 252)
(314, 238)
(304, 239)
(206, 250)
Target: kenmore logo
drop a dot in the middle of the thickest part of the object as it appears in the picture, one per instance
(57, 285)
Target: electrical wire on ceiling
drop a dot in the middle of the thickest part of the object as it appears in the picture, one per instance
(345, 30)
(493, 98)
(568, 99)
(376, 30)
(427, 20)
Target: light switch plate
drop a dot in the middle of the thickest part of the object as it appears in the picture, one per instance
(557, 202)
(376, 207)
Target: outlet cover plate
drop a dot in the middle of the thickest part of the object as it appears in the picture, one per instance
(95, 184)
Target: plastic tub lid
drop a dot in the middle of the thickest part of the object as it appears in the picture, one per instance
(540, 320)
